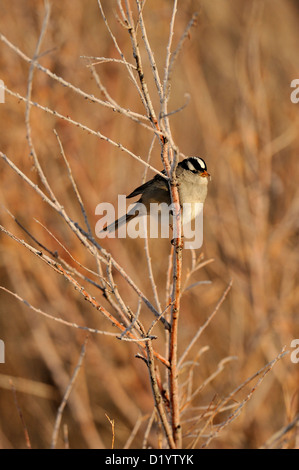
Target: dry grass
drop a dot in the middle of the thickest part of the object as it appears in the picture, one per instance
(237, 66)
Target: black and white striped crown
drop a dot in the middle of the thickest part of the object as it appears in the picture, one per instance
(194, 164)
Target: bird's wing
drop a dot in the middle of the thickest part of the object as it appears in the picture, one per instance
(143, 187)
(140, 189)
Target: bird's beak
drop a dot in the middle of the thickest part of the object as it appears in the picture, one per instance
(205, 173)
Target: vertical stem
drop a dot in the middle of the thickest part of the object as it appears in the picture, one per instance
(173, 371)
(170, 160)
(175, 309)
(158, 398)
(176, 294)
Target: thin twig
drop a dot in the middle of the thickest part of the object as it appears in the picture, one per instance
(195, 266)
(166, 80)
(129, 69)
(111, 421)
(123, 309)
(146, 99)
(150, 271)
(220, 368)
(178, 110)
(146, 244)
(180, 45)
(263, 372)
(273, 440)
(206, 323)
(158, 318)
(149, 50)
(148, 428)
(71, 268)
(93, 99)
(26, 434)
(66, 396)
(85, 128)
(103, 60)
(57, 319)
(74, 185)
(134, 431)
(28, 104)
(115, 105)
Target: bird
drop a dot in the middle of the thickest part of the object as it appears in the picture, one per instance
(192, 179)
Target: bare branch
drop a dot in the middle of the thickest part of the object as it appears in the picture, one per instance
(28, 104)
(149, 51)
(103, 60)
(158, 397)
(85, 128)
(93, 99)
(58, 320)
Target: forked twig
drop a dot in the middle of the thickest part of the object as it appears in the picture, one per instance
(158, 397)
(111, 421)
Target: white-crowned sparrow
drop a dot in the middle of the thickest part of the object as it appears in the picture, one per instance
(192, 179)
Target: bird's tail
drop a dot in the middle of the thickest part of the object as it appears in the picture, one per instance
(119, 222)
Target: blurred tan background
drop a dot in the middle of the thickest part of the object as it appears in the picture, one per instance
(237, 66)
